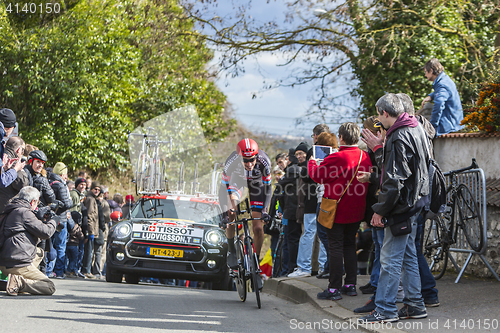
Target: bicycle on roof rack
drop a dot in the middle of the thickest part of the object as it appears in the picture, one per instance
(248, 264)
(461, 212)
(150, 170)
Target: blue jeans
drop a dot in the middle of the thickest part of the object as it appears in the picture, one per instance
(59, 241)
(323, 237)
(429, 291)
(306, 243)
(378, 240)
(398, 255)
(81, 250)
(72, 254)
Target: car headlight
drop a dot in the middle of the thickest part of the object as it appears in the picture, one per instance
(215, 237)
(122, 230)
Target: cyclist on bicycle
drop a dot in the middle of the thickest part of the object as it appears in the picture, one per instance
(246, 167)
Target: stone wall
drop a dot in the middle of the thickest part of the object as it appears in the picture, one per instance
(454, 151)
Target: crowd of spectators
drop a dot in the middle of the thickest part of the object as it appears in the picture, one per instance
(382, 186)
(68, 240)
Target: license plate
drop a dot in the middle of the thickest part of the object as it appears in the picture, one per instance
(153, 251)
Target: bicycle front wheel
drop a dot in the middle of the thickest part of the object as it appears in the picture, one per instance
(239, 279)
(435, 246)
(254, 271)
(469, 217)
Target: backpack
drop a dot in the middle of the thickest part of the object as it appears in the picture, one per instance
(437, 187)
(437, 183)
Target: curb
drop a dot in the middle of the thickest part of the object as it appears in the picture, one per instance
(299, 291)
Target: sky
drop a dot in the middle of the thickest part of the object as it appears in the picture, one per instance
(272, 111)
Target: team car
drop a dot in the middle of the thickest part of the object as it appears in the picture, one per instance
(170, 236)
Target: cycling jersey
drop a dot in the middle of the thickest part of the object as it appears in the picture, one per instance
(235, 178)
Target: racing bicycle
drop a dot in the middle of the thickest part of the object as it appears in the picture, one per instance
(461, 212)
(248, 264)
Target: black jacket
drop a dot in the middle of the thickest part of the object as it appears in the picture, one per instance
(405, 177)
(308, 189)
(23, 231)
(41, 183)
(61, 192)
(289, 186)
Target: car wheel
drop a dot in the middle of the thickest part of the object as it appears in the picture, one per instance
(131, 278)
(113, 276)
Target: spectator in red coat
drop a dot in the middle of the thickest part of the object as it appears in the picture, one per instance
(335, 172)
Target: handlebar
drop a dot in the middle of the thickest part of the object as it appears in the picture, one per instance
(244, 220)
(474, 165)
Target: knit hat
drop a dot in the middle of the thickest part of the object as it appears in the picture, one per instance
(303, 146)
(60, 169)
(95, 184)
(129, 198)
(78, 181)
(8, 118)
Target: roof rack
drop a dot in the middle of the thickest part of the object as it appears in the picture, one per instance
(151, 176)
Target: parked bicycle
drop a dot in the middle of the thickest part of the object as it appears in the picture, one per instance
(248, 264)
(461, 212)
(278, 252)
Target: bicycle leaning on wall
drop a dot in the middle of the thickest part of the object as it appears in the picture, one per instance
(461, 212)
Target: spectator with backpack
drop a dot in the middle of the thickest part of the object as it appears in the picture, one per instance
(403, 193)
(427, 281)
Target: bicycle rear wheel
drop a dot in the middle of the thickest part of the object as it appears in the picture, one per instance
(435, 246)
(239, 280)
(254, 270)
(278, 259)
(469, 217)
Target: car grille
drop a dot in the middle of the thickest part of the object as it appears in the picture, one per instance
(191, 253)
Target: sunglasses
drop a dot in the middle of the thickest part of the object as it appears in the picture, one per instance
(248, 160)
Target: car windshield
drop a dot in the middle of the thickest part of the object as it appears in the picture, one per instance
(196, 211)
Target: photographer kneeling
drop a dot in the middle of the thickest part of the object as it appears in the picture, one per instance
(21, 232)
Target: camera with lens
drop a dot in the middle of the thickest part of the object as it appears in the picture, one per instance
(46, 213)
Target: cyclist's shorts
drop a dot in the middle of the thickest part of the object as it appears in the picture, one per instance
(257, 196)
